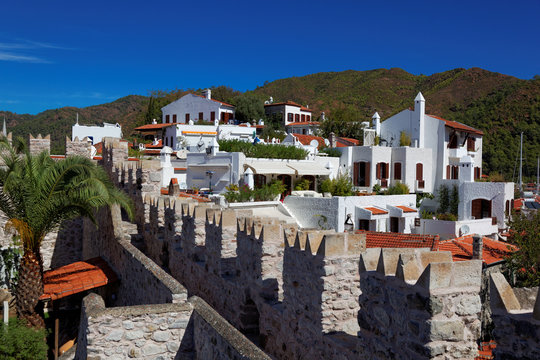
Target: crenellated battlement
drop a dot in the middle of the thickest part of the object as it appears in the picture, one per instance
(38, 144)
(78, 147)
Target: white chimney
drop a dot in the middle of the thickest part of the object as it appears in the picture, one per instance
(207, 94)
(466, 169)
(420, 111)
(377, 123)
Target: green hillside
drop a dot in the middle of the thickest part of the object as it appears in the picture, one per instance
(500, 105)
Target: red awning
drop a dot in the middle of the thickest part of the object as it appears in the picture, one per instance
(76, 277)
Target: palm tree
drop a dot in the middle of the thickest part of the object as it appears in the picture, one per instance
(37, 194)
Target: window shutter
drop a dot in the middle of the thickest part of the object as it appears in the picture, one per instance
(397, 171)
(448, 171)
(387, 171)
(378, 171)
(368, 173)
(419, 172)
(356, 170)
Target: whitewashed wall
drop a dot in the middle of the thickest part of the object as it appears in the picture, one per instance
(96, 132)
(193, 105)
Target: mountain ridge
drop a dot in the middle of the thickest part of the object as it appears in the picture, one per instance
(500, 105)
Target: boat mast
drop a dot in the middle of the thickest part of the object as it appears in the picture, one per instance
(521, 164)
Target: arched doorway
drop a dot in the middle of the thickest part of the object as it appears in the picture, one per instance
(287, 181)
(481, 208)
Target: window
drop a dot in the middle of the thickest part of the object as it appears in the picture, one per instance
(166, 119)
(166, 141)
(259, 180)
(452, 143)
(454, 172)
(200, 116)
(308, 117)
(213, 116)
(361, 173)
(394, 224)
(296, 117)
(174, 118)
(382, 170)
(363, 224)
(471, 144)
(187, 118)
(419, 172)
(172, 143)
(397, 171)
(303, 117)
(477, 172)
(290, 117)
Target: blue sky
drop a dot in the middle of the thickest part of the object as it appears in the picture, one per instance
(59, 53)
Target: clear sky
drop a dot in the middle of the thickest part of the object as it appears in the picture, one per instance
(79, 53)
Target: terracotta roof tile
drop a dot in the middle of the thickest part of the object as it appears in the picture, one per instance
(376, 211)
(307, 139)
(375, 239)
(154, 126)
(458, 125)
(303, 123)
(76, 277)
(461, 248)
(406, 209)
(151, 146)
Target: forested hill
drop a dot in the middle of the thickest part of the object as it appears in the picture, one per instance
(500, 105)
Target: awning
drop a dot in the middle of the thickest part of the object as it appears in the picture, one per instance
(76, 277)
(309, 168)
(271, 167)
(376, 211)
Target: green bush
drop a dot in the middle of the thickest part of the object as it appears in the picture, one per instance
(377, 189)
(266, 192)
(454, 200)
(267, 151)
(444, 201)
(332, 152)
(302, 185)
(340, 186)
(427, 215)
(398, 189)
(446, 217)
(404, 139)
(19, 342)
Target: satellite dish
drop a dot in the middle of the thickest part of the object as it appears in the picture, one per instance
(326, 142)
(464, 229)
(181, 154)
(314, 143)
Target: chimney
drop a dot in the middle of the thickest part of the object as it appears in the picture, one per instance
(207, 94)
(332, 139)
(377, 123)
(477, 247)
(420, 111)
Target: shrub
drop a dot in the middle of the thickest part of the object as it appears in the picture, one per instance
(404, 139)
(19, 342)
(267, 151)
(377, 189)
(302, 185)
(427, 215)
(496, 178)
(266, 192)
(446, 217)
(332, 152)
(340, 186)
(444, 201)
(420, 196)
(454, 200)
(398, 189)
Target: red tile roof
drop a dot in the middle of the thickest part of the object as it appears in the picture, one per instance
(253, 126)
(461, 248)
(345, 142)
(375, 239)
(193, 196)
(485, 350)
(75, 278)
(290, 103)
(99, 147)
(303, 123)
(164, 191)
(307, 139)
(406, 208)
(458, 126)
(158, 145)
(518, 204)
(376, 211)
(154, 126)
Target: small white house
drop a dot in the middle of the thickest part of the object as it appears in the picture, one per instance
(192, 107)
(296, 118)
(95, 133)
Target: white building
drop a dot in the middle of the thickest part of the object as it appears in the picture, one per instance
(95, 133)
(193, 107)
(296, 118)
(395, 213)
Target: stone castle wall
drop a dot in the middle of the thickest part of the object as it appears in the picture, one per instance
(78, 147)
(37, 145)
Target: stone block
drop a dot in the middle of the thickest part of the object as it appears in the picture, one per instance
(332, 245)
(389, 258)
(434, 256)
(436, 276)
(448, 330)
(502, 295)
(228, 218)
(468, 273)
(370, 258)
(356, 243)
